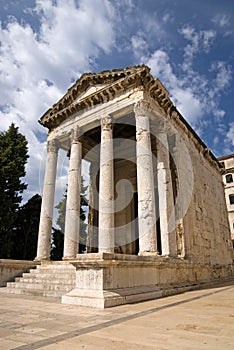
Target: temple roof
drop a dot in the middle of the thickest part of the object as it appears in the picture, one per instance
(95, 88)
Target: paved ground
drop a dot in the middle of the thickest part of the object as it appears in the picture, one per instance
(194, 320)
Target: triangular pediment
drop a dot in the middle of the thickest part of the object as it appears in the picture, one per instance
(95, 88)
(91, 90)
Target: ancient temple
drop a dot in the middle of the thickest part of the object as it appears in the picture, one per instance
(157, 220)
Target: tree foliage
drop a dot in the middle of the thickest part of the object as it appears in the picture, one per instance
(13, 158)
(58, 233)
(26, 230)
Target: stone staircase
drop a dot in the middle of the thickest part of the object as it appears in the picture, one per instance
(50, 279)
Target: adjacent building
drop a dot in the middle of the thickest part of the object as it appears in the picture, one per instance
(228, 180)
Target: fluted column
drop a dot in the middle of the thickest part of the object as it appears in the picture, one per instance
(47, 205)
(145, 180)
(106, 188)
(72, 220)
(165, 193)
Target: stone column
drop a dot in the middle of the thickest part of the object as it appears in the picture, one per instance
(47, 205)
(165, 194)
(92, 236)
(72, 219)
(106, 188)
(145, 180)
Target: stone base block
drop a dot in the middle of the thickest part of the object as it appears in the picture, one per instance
(106, 280)
(109, 298)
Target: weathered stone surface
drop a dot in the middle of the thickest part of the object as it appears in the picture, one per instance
(145, 180)
(72, 222)
(105, 280)
(169, 182)
(47, 206)
(106, 188)
(9, 269)
(165, 193)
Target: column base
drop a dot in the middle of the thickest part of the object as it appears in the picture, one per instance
(148, 254)
(43, 258)
(66, 258)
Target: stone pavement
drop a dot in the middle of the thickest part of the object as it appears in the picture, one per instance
(202, 319)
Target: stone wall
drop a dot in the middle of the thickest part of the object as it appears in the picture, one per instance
(105, 280)
(205, 224)
(9, 269)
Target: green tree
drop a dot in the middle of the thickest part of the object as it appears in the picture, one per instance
(13, 158)
(58, 233)
(26, 230)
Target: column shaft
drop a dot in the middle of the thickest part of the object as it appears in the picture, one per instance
(145, 180)
(47, 206)
(166, 200)
(72, 220)
(106, 189)
(92, 236)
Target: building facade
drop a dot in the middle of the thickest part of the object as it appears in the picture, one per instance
(228, 180)
(152, 222)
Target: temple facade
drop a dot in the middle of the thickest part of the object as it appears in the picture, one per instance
(157, 218)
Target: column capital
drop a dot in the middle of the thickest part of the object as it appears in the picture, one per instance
(75, 134)
(106, 122)
(52, 146)
(142, 108)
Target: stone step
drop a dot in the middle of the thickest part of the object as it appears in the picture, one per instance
(33, 292)
(49, 268)
(51, 279)
(47, 279)
(40, 286)
(51, 275)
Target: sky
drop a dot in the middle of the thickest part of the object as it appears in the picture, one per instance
(45, 45)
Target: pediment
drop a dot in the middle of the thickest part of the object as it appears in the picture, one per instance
(91, 90)
(95, 88)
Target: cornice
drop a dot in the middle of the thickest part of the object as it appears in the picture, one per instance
(118, 81)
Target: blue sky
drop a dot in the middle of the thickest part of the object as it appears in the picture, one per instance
(45, 45)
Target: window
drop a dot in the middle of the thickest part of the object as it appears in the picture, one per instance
(229, 178)
(231, 198)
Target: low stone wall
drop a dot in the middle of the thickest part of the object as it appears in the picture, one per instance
(9, 269)
(105, 280)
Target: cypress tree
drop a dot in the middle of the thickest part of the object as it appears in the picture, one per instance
(13, 158)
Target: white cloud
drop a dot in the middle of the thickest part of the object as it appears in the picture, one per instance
(223, 75)
(139, 45)
(182, 95)
(36, 68)
(191, 92)
(167, 17)
(230, 134)
(198, 41)
(222, 20)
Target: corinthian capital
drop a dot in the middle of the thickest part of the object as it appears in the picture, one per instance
(106, 122)
(52, 146)
(142, 108)
(75, 134)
